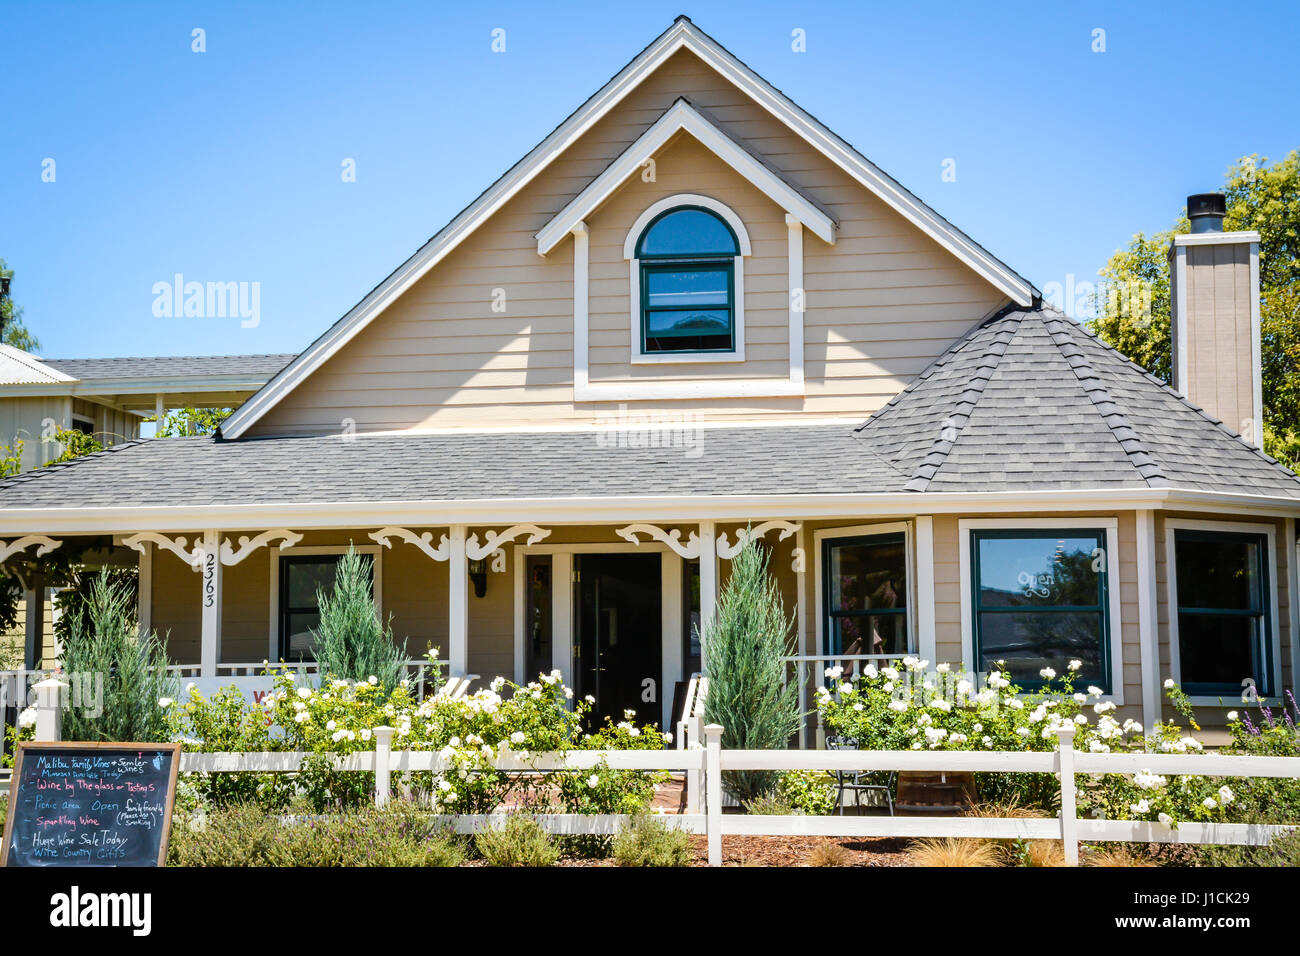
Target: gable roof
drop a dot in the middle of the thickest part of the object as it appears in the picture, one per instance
(681, 35)
(678, 117)
(1030, 400)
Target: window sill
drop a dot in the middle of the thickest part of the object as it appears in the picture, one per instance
(1228, 703)
(694, 358)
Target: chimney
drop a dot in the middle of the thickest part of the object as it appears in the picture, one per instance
(1214, 292)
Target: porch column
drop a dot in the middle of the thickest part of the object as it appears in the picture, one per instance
(210, 638)
(457, 603)
(708, 583)
(927, 644)
(562, 616)
(144, 590)
(1148, 633)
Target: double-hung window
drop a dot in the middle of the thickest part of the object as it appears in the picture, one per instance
(1040, 599)
(687, 258)
(1224, 612)
(865, 595)
(302, 578)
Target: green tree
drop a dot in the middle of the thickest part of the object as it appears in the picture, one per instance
(15, 334)
(748, 691)
(352, 643)
(181, 422)
(119, 673)
(1260, 196)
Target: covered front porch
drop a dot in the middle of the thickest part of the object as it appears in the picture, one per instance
(616, 608)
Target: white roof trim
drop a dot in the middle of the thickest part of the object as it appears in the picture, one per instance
(682, 116)
(681, 35)
(687, 199)
(600, 510)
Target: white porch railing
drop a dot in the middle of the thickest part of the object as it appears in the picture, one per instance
(711, 761)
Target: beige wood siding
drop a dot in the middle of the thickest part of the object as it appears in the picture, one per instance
(882, 302)
(112, 425)
(1220, 376)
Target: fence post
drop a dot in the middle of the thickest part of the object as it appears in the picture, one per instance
(1069, 812)
(690, 738)
(383, 764)
(49, 726)
(713, 791)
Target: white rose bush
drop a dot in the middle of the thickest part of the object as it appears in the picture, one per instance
(470, 732)
(905, 706)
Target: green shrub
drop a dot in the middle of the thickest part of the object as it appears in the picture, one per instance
(748, 691)
(770, 805)
(520, 842)
(245, 835)
(352, 643)
(648, 841)
(1283, 851)
(808, 791)
(120, 673)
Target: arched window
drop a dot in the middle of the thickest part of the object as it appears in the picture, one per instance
(687, 262)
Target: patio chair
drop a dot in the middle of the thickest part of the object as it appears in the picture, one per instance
(856, 781)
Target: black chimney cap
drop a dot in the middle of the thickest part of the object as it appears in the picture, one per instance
(1211, 207)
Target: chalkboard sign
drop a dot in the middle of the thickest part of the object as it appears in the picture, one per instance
(90, 804)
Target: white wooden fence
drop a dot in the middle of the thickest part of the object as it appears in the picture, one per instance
(711, 760)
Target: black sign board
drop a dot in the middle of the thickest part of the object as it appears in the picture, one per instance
(90, 804)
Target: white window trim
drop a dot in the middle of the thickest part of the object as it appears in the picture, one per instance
(377, 562)
(84, 419)
(727, 215)
(1109, 524)
(792, 386)
(1269, 530)
(859, 531)
(562, 629)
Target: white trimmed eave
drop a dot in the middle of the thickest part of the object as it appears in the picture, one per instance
(609, 509)
(681, 116)
(681, 35)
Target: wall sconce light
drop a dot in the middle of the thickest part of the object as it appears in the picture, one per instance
(478, 574)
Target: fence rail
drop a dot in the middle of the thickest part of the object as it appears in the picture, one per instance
(710, 761)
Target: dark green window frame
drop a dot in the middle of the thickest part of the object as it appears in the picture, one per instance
(1261, 609)
(651, 263)
(829, 614)
(1101, 608)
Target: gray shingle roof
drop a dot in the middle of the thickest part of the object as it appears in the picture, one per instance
(1030, 400)
(1026, 401)
(759, 460)
(171, 366)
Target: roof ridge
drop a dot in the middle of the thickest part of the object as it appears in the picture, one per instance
(960, 414)
(1180, 397)
(1138, 453)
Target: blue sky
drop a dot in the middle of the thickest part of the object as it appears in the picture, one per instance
(226, 165)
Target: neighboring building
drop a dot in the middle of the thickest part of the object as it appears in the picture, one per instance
(692, 314)
(108, 398)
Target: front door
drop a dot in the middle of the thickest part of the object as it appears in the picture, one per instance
(619, 634)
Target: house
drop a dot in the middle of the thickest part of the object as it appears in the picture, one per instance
(693, 316)
(108, 398)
